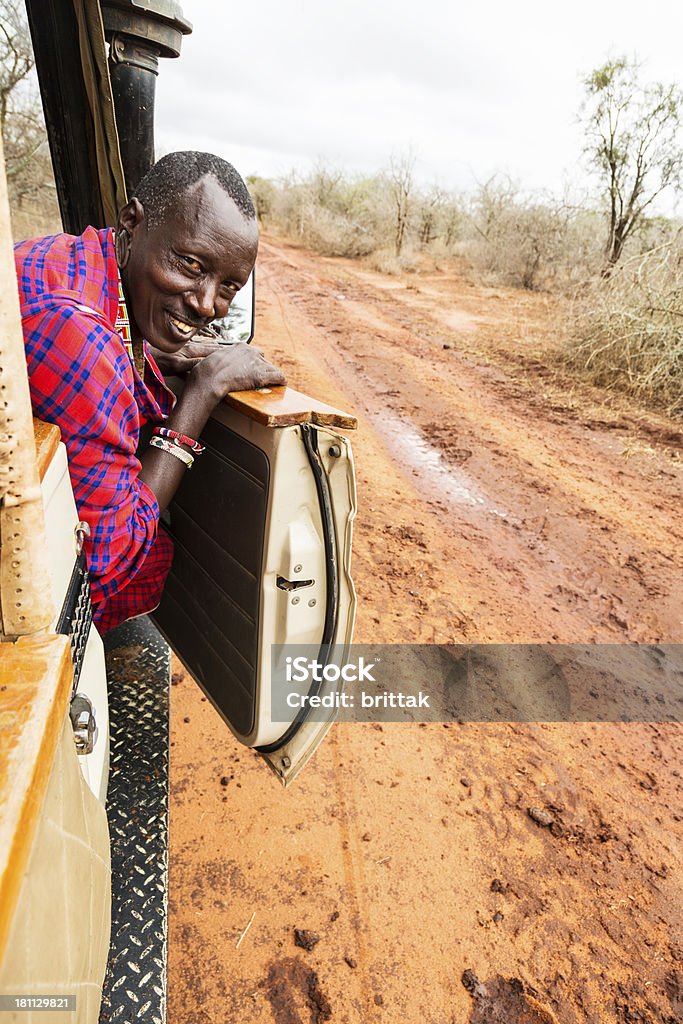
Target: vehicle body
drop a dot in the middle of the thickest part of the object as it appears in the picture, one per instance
(262, 533)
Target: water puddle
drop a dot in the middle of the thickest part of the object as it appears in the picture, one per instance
(432, 468)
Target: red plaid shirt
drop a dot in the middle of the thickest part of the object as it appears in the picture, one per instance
(82, 378)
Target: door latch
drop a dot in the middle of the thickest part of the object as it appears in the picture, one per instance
(289, 585)
(82, 715)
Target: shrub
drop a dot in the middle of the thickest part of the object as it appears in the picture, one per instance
(264, 194)
(628, 328)
(529, 242)
(325, 212)
(357, 216)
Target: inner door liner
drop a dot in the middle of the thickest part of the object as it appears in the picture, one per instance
(210, 605)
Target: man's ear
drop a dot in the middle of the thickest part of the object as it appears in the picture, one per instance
(131, 216)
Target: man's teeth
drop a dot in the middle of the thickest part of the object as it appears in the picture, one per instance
(182, 327)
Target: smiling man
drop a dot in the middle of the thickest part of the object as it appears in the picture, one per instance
(102, 313)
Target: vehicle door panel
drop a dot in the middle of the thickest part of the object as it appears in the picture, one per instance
(254, 546)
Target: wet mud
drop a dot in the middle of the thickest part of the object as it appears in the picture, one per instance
(294, 994)
(503, 1001)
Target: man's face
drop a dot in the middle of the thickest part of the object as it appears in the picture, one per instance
(185, 271)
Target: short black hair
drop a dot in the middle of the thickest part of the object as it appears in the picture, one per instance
(175, 173)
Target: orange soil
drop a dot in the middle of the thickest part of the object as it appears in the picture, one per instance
(496, 503)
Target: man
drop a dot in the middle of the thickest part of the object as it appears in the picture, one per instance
(91, 308)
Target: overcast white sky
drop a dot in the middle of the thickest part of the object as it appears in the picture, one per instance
(475, 88)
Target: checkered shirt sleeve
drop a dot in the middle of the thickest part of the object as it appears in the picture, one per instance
(82, 379)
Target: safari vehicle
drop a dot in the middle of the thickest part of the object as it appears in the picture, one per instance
(262, 532)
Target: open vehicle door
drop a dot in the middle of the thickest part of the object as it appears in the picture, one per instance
(262, 526)
(262, 534)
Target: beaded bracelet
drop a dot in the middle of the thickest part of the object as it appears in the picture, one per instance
(173, 435)
(173, 449)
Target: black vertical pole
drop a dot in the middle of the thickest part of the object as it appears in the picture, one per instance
(137, 38)
(55, 38)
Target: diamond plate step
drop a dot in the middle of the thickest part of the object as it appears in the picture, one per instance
(138, 673)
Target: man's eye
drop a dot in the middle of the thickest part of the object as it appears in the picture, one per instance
(191, 263)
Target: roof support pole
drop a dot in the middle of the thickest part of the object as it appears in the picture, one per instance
(138, 36)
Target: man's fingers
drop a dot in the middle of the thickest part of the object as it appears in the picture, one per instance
(200, 349)
(238, 367)
(273, 375)
(264, 377)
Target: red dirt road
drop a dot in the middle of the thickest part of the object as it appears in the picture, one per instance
(496, 503)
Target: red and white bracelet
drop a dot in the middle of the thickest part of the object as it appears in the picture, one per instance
(173, 448)
(174, 436)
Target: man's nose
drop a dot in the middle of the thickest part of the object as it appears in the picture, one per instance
(202, 300)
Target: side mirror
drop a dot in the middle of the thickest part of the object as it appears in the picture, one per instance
(238, 325)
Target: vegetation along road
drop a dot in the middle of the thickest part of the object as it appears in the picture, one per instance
(498, 502)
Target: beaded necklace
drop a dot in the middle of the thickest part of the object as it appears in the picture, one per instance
(135, 349)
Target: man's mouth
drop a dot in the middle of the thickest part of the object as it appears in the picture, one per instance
(182, 327)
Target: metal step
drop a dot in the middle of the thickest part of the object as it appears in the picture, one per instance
(138, 673)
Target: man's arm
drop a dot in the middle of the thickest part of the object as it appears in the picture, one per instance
(82, 380)
(227, 368)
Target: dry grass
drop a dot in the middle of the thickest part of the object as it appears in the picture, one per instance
(628, 330)
(387, 262)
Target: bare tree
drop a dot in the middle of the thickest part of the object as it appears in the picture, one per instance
(431, 205)
(16, 57)
(401, 186)
(527, 240)
(491, 203)
(451, 220)
(29, 171)
(632, 140)
(325, 183)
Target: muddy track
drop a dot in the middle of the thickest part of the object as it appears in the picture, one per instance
(498, 502)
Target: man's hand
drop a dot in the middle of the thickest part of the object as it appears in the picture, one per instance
(221, 369)
(236, 367)
(177, 364)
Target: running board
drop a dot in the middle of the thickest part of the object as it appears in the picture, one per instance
(138, 672)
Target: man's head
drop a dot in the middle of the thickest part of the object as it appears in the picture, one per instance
(193, 242)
